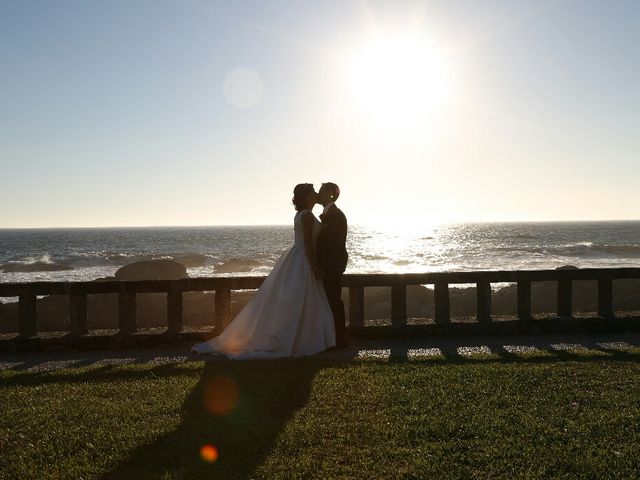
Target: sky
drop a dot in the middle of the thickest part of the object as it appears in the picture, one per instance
(158, 112)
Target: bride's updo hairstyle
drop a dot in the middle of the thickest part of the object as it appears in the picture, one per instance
(301, 194)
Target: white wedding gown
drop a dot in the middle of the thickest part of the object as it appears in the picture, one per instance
(289, 316)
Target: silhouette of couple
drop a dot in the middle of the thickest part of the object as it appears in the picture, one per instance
(298, 310)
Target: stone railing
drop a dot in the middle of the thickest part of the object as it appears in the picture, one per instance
(356, 283)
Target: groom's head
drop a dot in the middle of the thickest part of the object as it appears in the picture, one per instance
(329, 192)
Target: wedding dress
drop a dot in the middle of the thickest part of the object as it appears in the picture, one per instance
(289, 315)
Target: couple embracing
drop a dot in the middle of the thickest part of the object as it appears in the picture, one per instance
(298, 310)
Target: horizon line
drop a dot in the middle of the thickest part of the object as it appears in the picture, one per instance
(113, 227)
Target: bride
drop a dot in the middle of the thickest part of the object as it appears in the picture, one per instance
(289, 316)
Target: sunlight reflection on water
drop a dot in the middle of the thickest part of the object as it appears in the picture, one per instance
(211, 251)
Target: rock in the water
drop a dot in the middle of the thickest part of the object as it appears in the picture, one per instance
(567, 267)
(152, 270)
(190, 260)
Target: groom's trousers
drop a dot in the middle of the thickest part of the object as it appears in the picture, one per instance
(333, 289)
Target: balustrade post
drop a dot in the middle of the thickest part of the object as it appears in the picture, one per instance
(356, 306)
(565, 297)
(398, 305)
(483, 300)
(127, 313)
(28, 314)
(524, 300)
(223, 308)
(605, 298)
(442, 315)
(174, 311)
(78, 314)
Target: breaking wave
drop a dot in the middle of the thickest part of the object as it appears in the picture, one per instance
(589, 250)
(43, 263)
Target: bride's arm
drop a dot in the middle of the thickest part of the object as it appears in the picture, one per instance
(307, 222)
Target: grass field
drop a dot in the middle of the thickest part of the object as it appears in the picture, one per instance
(560, 415)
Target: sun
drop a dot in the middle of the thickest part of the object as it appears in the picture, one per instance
(398, 81)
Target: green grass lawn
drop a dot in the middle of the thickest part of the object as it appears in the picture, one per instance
(541, 416)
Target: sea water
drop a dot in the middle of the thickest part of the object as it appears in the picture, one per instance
(252, 250)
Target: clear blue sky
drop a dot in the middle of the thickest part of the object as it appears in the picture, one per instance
(115, 112)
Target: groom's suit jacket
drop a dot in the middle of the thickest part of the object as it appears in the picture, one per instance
(331, 249)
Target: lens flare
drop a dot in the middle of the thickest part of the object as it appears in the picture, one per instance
(221, 395)
(209, 453)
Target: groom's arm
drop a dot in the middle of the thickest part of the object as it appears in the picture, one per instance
(336, 242)
(342, 232)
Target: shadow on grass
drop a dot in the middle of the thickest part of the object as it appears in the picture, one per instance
(497, 353)
(95, 374)
(269, 394)
(238, 407)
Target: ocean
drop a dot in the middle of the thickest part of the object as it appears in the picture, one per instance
(90, 253)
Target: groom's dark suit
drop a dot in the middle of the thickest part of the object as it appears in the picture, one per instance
(332, 259)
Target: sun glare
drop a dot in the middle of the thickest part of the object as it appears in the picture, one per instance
(398, 81)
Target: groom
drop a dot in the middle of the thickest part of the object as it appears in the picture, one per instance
(332, 255)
